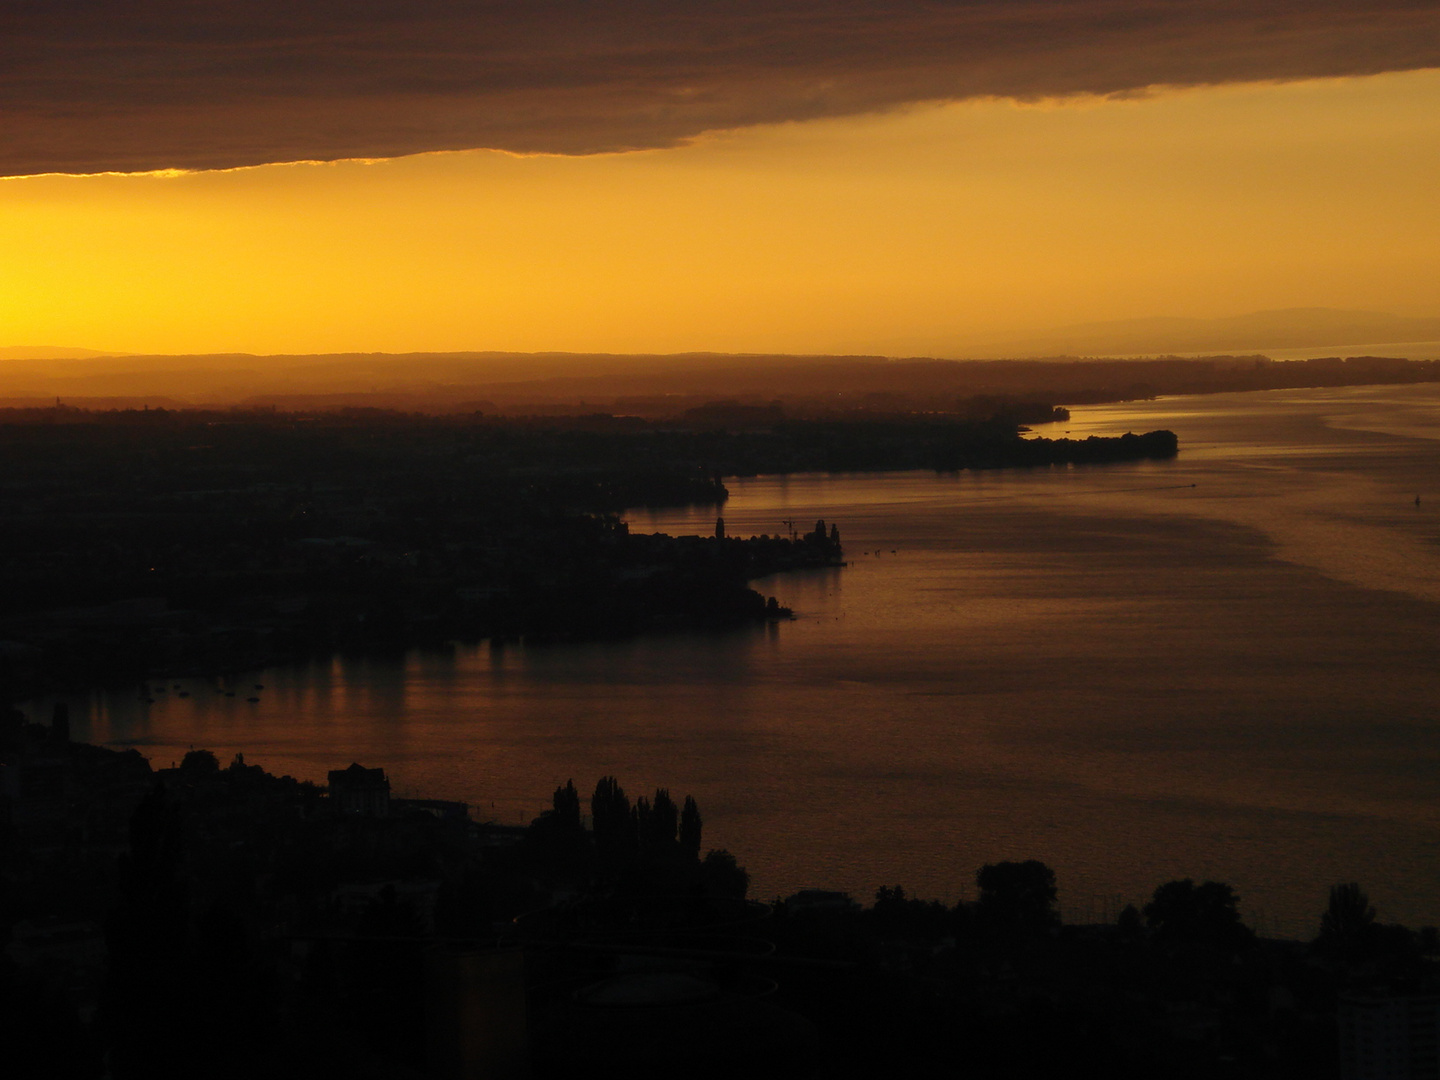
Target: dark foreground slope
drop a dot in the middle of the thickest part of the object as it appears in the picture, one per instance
(223, 922)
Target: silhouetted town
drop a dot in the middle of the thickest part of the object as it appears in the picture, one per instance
(211, 919)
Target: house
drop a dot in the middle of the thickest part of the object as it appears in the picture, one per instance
(358, 790)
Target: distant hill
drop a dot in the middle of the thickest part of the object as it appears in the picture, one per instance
(665, 386)
(1290, 328)
(653, 384)
(243, 377)
(48, 352)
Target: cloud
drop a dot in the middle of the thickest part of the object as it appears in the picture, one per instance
(138, 85)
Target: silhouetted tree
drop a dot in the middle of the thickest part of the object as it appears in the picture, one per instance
(655, 825)
(664, 819)
(145, 1006)
(1018, 897)
(555, 847)
(1205, 914)
(609, 809)
(1129, 922)
(896, 913)
(889, 902)
(1427, 940)
(721, 875)
(889, 910)
(1349, 912)
(566, 803)
(690, 827)
(612, 823)
(1348, 924)
(199, 764)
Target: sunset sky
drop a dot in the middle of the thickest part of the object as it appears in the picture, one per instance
(847, 177)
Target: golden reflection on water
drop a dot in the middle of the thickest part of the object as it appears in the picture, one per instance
(1218, 667)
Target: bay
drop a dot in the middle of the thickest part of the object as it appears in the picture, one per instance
(1222, 666)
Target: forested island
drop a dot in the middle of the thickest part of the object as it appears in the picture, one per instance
(151, 542)
(212, 919)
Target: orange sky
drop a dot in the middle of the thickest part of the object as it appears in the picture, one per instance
(926, 230)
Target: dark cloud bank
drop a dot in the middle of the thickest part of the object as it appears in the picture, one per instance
(148, 84)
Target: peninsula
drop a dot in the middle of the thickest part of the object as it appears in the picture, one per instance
(140, 543)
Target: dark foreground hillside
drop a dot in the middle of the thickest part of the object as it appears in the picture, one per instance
(209, 920)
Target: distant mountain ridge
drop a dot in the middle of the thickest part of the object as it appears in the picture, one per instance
(486, 381)
(1286, 328)
(49, 352)
(1283, 328)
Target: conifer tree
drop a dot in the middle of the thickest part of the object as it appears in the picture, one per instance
(566, 802)
(690, 825)
(664, 818)
(609, 810)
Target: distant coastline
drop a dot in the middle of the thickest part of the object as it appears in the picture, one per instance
(667, 387)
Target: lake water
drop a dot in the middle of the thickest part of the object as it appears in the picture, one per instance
(1224, 666)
